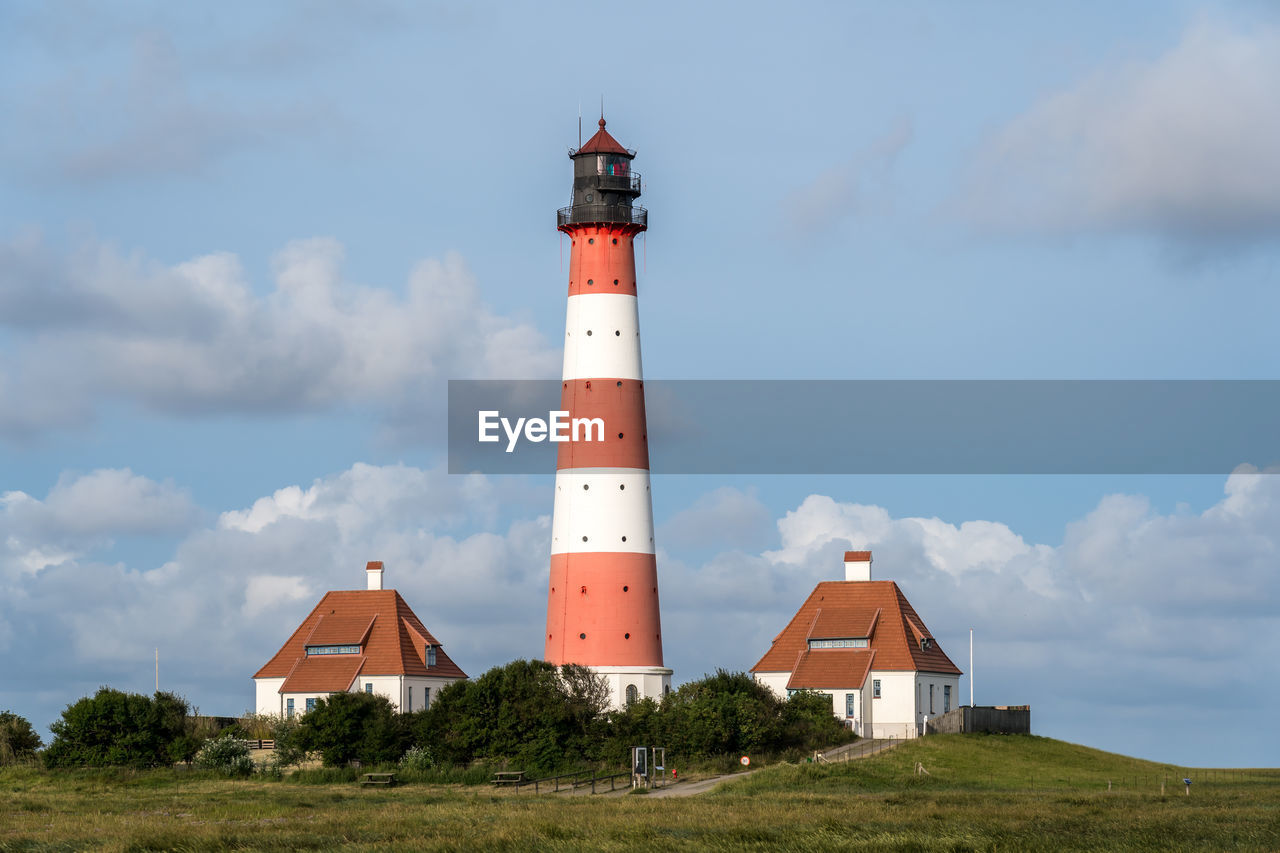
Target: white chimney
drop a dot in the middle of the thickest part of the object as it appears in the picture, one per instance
(857, 565)
(374, 572)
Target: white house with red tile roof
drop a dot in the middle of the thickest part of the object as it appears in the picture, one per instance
(861, 642)
(356, 640)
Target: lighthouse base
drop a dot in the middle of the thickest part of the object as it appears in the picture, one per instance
(631, 683)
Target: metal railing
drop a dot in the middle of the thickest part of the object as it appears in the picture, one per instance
(629, 182)
(591, 213)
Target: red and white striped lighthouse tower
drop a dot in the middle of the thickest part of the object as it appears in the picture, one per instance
(602, 606)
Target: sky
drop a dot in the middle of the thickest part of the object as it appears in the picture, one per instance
(244, 247)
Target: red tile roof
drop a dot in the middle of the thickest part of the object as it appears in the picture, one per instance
(323, 674)
(857, 556)
(831, 668)
(393, 642)
(843, 623)
(341, 629)
(603, 143)
(895, 637)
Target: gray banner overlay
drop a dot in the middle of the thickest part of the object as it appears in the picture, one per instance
(900, 426)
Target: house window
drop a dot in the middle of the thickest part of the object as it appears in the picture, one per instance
(411, 700)
(875, 688)
(311, 703)
(368, 687)
(946, 698)
(431, 655)
(288, 708)
(426, 697)
(930, 698)
(850, 705)
(333, 650)
(633, 695)
(847, 643)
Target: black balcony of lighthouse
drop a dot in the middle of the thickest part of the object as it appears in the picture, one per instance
(604, 186)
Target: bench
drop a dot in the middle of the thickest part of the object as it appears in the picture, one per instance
(511, 777)
(387, 779)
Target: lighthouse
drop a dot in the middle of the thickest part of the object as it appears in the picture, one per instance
(602, 602)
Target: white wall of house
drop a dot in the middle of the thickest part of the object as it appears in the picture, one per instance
(933, 694)
(396, 688)
(267, 698)
(775, 681)
(894, 713)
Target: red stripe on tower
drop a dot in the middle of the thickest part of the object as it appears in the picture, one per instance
(602, 603)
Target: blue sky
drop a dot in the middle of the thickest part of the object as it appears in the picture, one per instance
(243, 248)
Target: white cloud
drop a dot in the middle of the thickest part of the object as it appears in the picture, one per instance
(1182, 145)
(83, 512)
(195, 337)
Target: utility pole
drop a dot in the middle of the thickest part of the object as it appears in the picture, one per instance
(970, 667)
(157, 669)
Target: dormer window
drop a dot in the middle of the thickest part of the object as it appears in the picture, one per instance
(333, 650)
(842, 643)
(926, 643)
(431, 655)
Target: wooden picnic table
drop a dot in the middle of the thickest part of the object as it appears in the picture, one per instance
(387, 779)
(508, 777)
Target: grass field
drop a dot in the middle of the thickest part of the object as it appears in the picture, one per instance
(981, 793)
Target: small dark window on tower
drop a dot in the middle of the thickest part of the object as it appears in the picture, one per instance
(617, 334)
(591, 281)
(588, 332)
(619, 383)
(582, 636)
(584, 539)
(624, 539)
(615, 282)
(625, 588)
(585, 487)
(619, 435)
(592, 240)
(626, 636)
(622, 486)
(615, 241)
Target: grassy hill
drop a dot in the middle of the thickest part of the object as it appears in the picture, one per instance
(998, 762)
(982, 793)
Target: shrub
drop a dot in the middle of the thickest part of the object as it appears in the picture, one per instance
(418, 759)
(531, 713)
(113, 728)
(353, 726)
(18, 740)
(227, 754)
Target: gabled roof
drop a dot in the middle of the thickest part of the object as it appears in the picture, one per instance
(602, 143)
(895, 635)
(393, 641)
(831, 668)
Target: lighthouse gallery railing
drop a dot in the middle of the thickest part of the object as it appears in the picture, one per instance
(581, 213)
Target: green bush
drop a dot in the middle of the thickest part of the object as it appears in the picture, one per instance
(112, 728)
(418, 760)
(354, 726)
(227, 754)
(529, 713)
(18, 740)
